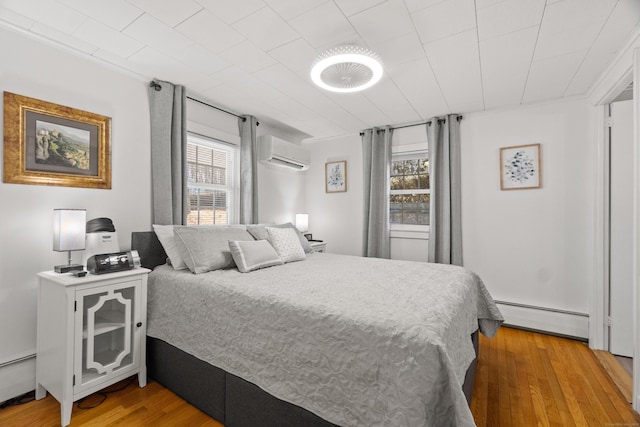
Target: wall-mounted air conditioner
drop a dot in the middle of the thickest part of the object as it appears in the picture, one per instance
(276, 151)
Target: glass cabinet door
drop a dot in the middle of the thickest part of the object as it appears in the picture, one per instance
(107, 316)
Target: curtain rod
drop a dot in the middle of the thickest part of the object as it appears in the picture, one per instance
(428, 123)
(158, 87)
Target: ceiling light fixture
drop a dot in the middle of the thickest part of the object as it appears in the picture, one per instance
(347, 68)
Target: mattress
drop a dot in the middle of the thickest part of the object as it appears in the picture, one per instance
(357, 341)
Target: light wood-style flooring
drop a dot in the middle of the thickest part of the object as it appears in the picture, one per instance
(524, 379)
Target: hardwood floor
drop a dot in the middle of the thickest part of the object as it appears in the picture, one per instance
(524, 379)
(530, 379)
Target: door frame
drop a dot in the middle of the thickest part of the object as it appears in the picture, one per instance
(621, 72)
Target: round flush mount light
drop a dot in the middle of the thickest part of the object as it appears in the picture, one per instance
(347, 68)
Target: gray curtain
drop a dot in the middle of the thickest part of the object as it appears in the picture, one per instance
(376, 152)
(248, 170)
(445, 235)
(167, 106)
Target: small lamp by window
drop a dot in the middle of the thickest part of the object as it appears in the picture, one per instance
(69, 227)
(302, 222)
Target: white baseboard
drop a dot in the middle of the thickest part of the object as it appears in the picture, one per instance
(17, 378)
(543, 319)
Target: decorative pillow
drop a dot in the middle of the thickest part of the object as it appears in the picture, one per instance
(286, 243)
(259, 232)
(206, 247)
(253, 255)
(165, 235)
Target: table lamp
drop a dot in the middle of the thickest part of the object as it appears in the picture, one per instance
(302, 222)
(69, 227)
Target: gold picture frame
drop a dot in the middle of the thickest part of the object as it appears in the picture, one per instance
(335, 176)
(50, 144)
(520, 167)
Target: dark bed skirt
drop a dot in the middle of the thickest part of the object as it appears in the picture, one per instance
(231, 400)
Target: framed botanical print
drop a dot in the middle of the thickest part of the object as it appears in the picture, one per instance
(335, 176)
(50, 144)
(520, 167)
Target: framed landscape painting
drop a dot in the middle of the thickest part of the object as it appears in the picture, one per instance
(520, 167)
(50, 144)
(335, 176)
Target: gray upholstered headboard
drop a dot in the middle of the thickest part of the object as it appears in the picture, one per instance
(149, 248)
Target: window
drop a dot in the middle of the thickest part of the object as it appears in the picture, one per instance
(409, 193)
(211, 181)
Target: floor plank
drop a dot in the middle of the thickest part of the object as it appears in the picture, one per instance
(523, 379)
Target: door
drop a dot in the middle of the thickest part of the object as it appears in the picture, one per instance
(106, 344)
(621, 229)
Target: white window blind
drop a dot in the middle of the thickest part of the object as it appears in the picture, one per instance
(211, 181)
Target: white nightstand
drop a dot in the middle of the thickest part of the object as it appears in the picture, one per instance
(318, 246)
(91, 333)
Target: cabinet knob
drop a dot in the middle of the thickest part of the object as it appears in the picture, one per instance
(139, 324)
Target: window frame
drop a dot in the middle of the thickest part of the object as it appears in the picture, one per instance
(232, 188)
(408, 152)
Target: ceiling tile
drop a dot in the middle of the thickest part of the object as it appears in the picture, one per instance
(231, 11)
(361, 107)
(621, 23)
(116, 14)
(323, 25)
(505, 66)
(456, 64)
(156, 34)
(481, 4)
(397, 51)
(508, 16)
(572, 39)
(209, 31)
(444, 19)
(420, 88)
(391, 101)
(386, 21)
(351, 7)
(549, 78)
(52, 13)
(234, 76)
(575, 13)
(266, 29)
(107, 38)
(201, 59)
(120, 62)
(14, 18)
(168, 11)
(64, 38)
(247, 56)
(297, 55)
(288, 9)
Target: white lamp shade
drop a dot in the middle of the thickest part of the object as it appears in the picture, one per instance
(302, 222)
(69, 226)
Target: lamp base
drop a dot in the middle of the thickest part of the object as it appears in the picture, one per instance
(67, 268)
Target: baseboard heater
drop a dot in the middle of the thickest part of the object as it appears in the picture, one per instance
(18, 360)
(563, 323)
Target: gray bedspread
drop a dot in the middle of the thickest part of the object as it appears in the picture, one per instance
(357, 341)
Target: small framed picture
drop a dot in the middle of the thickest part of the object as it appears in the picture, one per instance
(335, 176)
(520, 167)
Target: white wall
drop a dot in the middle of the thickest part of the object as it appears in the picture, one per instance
(40, 71)
(530, 247)
(336, 218)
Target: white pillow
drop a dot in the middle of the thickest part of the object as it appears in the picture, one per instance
(165, 235)
(253, 255)
(285, 242)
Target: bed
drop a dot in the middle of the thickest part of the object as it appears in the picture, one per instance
(330, 340)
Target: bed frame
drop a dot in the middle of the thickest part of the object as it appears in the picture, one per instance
(229, 399)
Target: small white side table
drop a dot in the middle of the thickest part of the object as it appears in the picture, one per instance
(91, 333)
